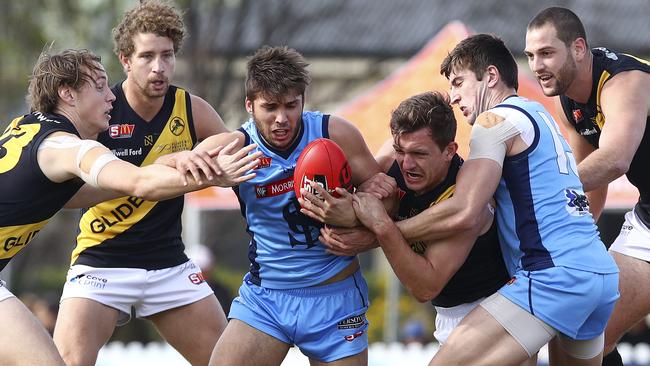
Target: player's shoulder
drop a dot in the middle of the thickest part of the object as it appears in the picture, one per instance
(489, 118)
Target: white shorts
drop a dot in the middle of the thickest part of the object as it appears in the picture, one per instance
(447, 319)
(148, 292)
(4, 291)
(634, 238)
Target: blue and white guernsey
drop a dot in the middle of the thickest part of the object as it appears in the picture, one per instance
(542, 212)
(284, 251)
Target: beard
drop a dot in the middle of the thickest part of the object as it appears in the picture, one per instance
(563, 78)
(147, 89)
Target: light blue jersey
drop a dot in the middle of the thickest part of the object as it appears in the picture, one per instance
(542, 212)
(561, 271)
(284, 251)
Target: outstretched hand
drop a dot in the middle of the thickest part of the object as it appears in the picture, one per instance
(197, 164)
(234, 164)
(322, 206)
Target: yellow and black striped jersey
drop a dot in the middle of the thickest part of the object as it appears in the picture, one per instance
(484, 271)
(130, 232)
(589, 120)
(28, 199)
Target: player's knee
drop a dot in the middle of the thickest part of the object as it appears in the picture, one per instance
(75, 357)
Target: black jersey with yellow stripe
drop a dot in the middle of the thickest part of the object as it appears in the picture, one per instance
(28, 199)
(484, 271)
(589, 120)
(129, 232)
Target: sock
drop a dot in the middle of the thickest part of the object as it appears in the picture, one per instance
(613, 359)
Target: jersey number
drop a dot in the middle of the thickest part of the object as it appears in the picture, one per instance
(12, 142)
(565, 159)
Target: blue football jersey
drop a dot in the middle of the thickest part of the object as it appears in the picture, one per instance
(542, 212)
(284, 251)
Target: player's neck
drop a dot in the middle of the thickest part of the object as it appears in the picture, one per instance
(85, 130)
(146, 107)
(500, 94)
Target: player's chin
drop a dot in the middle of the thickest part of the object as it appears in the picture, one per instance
(414, 185)
(102, 124)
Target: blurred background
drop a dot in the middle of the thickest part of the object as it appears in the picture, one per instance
(361, 52)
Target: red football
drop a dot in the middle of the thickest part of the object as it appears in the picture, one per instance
(323, 162)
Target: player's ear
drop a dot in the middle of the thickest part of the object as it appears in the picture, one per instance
(125, 61)
(579, 48)
(249, 106)
(66, 95)
(451, 149)
(493, 76)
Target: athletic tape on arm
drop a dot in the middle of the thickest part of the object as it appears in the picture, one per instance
(69, 141)
(490, 143)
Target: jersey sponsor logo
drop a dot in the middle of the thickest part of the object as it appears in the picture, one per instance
(400, 193)
(127, 152)
(353, 336)
(41, 118)
(511, 281)
(265, 162)
(171, 147)
(275, 188)
(89, 280)
(577, 203)
(352, 322)
(148, 140)
(19, 241)
(626, 229)
(609, 54)
(118, 214)
(577, 114)
(177, 126)
(15, 238)
(588, 131)
(123, 131)
(189, 265)
(196, 278)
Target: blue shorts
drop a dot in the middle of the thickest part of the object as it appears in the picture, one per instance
(576, 303)
(326, 322)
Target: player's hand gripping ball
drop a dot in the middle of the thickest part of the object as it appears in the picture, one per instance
(323, 162)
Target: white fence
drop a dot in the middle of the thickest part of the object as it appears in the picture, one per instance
(379, 354)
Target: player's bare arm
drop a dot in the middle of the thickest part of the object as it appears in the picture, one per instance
(63, 159)
(625, 103)
(207, 121)
(426, 274)
(468, 206)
